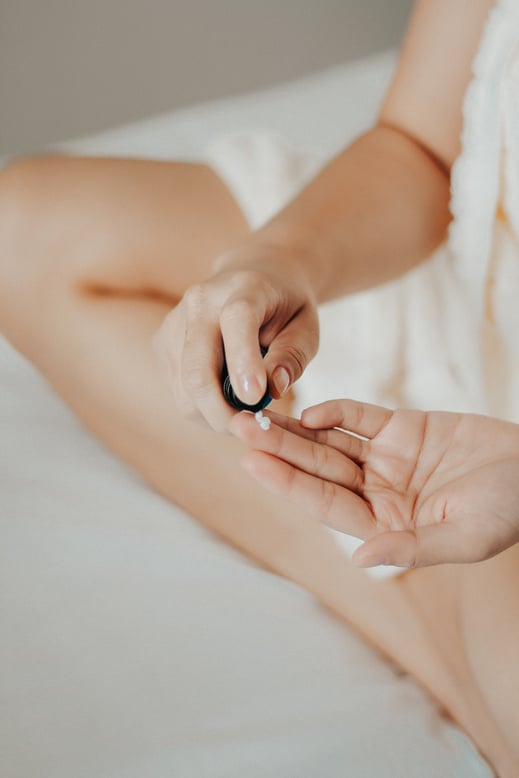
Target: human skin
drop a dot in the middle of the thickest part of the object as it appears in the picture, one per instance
(96, 255)
(420, 488)
(373, 213)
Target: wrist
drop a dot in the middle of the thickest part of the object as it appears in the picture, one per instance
(285, 249)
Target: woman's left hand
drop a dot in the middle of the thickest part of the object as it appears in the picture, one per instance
(420, 488)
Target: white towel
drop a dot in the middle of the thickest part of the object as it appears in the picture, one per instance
(446, 336)
(485, 205)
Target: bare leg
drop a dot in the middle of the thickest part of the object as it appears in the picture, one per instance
(93, 253)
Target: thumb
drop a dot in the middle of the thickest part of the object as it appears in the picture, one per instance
(291, 351)
(431, 545)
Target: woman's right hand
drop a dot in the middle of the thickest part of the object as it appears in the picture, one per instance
(258, 296)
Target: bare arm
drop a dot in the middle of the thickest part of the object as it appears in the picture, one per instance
(381, 206)
(374, 212)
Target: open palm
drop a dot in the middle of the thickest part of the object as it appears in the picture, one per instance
(420, 488)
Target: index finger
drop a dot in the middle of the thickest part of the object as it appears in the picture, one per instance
(304, 453)
(355, 448)
(357, 417)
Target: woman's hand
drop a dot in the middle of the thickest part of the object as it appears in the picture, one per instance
(259, 296)
(419, 488)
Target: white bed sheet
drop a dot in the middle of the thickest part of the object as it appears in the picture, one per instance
(137, 645)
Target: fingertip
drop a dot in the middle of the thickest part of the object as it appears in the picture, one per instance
(248, 387)
(394, 547)
(368, 559)
(374, 551)
(310, 416)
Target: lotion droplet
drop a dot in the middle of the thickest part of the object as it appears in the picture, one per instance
(262, 420)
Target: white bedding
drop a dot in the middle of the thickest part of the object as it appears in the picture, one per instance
(137, 645)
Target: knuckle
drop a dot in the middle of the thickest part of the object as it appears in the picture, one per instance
(197, 380)
(358, 415)
(195, 298)
(246, 279)
(414, 557)
(237, 310)
(320, 457)
(326, 498)
(290, 486)
(357, 479)
(297, 357)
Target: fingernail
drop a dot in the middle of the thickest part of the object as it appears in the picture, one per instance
(251, 390)
(281, 380)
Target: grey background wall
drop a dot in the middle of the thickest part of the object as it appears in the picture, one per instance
(69, 67)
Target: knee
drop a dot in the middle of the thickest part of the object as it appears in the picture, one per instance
(26, 196)
(27, 220)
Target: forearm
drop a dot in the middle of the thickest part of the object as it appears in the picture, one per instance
(373, 213)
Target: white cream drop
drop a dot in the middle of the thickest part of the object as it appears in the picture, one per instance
(262, 420)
